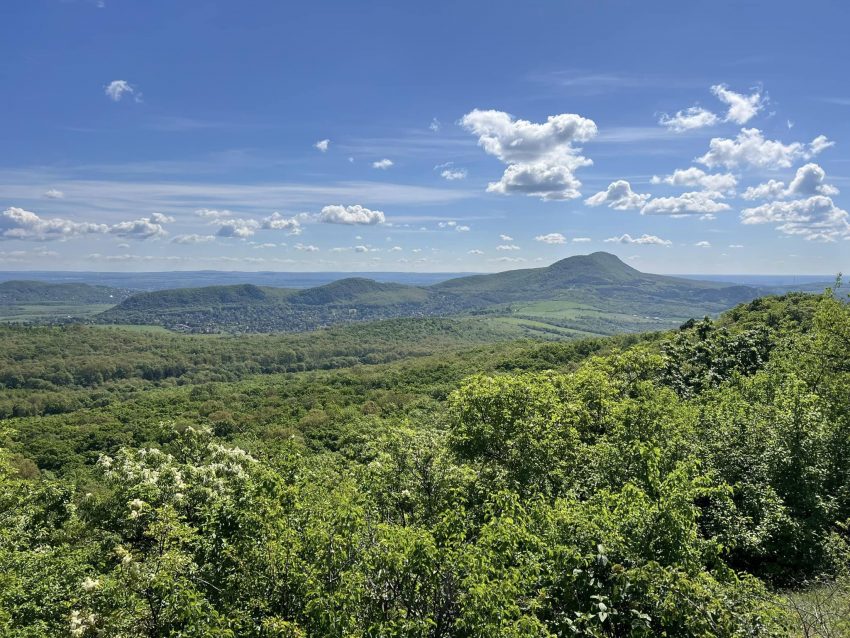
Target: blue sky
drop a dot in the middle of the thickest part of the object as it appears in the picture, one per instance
(453, 136)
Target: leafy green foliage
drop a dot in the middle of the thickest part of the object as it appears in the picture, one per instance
(651, 486)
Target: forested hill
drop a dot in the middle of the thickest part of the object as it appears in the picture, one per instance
(39, 292)
(583, 292)
(600, 273)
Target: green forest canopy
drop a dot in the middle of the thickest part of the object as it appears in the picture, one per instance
(670, 484)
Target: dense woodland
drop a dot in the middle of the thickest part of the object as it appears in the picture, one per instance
(417, 478)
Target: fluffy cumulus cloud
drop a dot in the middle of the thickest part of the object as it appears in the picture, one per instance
(54, 194)
(619, 196)
(117, 89)
(322, 145)
(808, 180)
(650, 240)
(551, 238)
(703, 244)
(693, 203)
(541, 159)
(814, 218)
(143, 228)
(742, 108)
(688, 119)
(751, 150)
(356, 214)
(693, 176)
(475, 251)
(507, 247)
(235, 227)
(17, 223)
(276, 221)
(307, 248)
(383, 164)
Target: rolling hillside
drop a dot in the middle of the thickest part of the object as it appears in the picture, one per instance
(39, 292)
(38, 301)
(593, 294)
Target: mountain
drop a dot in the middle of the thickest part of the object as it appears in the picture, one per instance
(595, 293)
(596, 270)
(39, 292)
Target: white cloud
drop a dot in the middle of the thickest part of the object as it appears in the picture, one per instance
(643, 239)
(193, 239)
(54, 194)
(508, 247)
(356, 214)
(552, 238)
(453, 174)
(693, 203)
(382, 164)
(475, 251)
(581, 240)
(506, 238)
(736, 245)
(514, 141)
(434, 125)
(693, 118)
(619, 196)
(742, 108)
(819, 144)
(771, 189)
(143, 228)
(276, 221)
(541, 159)
(814, 218)
(395, 249)
(462, 229)
(309, 248)
(240, 228)
(160, 218)
(808, 180)
(540, 179)
(703, 244)
(17, 223)
(322, 145)
(751, 149)
(693, 176)
(117, 89)
(207, 213)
